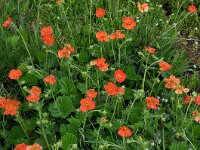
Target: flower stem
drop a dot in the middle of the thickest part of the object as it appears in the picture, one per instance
(43, 130)
(20, 121)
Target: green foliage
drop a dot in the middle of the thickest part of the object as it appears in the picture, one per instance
(62, 107)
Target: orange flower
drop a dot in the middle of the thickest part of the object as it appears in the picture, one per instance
(128, 23)
(2, 102)
(33, 98)
(15, 74)
(102, 36)
(192, 8)
(197, 100)
(21, 147)
(104, 119)
(117, 35)
(104, 67)
(48, 40)
(70, 48)
(50, 79)
(60, 1)
(150, 50)
(34, 94)
(195, 113)
(124, 131)
(119, 76)
(34, 147)
(164, 66)
(100, 63)
(171, 82)
(91, 93)
(197, 119)
(120, 91)
(187, 99)
(87, 104)
(143, 7)
(46, 31)
(64, 53)
(11, 107)
(152, 102)
(111, 88)
(35, 90)
(180, 89)
(7, 22)
(100, 12)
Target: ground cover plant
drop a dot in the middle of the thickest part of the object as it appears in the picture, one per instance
(99, 74)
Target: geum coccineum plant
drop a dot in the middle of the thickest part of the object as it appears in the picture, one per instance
(99, 79)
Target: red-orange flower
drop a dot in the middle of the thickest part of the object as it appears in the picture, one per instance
(34, 147)
(64, 53)
(150, 49)
(33, 98)
(21, 146)
(192, 8)
(124, 131)
(171, 82)
(128, 23)
(104, 119)
(34, 94)
(197, 100)
(50, 79)
(187, 99)
(100, 63)
(180, 89)
(87, 104)
(117, 35)
(196, 116)
(143, 7)
(47, 35)
(119, 76)
(45, 31)
(195, 113)
(70, 48)
(2, 102)
(164, 66)
(11, 107)
(152, 102)
(120, 91)
(48, 40)
(91, 93)
(15, 74)
(7, 22)
(102, 36)
(111, 88)
(35, 90)
(100, 12)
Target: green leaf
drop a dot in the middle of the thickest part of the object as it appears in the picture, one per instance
(67, 86)
(30, 79)
(178, 146)
(83, 56)
(62, 107)
(131, 73)
(82, 88)
(68, 140)
(12, 41)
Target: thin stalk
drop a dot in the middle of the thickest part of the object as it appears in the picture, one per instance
(20, 121)
(43, 130)
(163, 138)
(116, 102)
(145, 72)
(26, 47)
(130, 109)
(91, 3)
